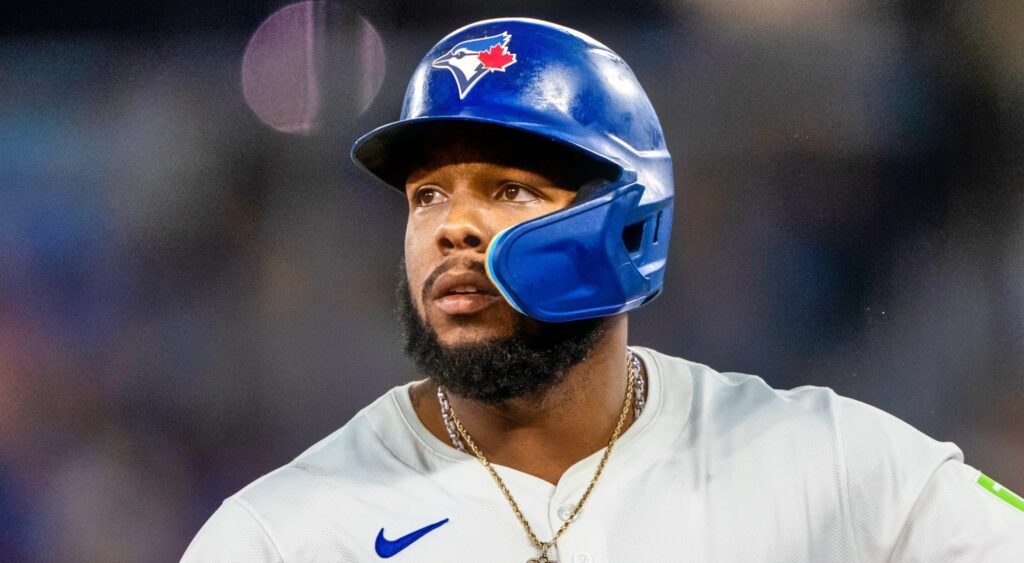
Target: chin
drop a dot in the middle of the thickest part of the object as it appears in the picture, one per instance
(458, 331)
(465, 338)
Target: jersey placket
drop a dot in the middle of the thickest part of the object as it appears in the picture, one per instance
(581, 542)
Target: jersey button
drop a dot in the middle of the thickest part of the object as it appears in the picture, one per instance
(565, 511)
(582, 558)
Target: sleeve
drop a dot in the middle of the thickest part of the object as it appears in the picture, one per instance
(232, 534)
(911, 498)
(963, 515)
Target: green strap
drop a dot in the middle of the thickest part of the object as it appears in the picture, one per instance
(1006, 495)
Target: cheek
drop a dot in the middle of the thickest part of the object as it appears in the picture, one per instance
(416, 259)
(418, 241)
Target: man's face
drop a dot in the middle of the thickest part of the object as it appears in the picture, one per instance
(455, 209)
(458, 329)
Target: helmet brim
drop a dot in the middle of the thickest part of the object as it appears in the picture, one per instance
(391, 151)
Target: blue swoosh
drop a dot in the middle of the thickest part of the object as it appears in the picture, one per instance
(387, 548)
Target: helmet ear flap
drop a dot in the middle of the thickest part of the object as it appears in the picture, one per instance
(572, 264)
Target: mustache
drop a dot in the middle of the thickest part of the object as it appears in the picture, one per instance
(464, 263)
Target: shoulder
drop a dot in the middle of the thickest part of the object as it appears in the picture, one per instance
(728, 403)
(351, 457)
(865, 467)
(316, 497)
(233, 533)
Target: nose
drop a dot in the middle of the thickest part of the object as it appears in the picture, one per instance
(463, 228)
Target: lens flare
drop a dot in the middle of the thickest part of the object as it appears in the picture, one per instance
(311, 63)
(280, 69)
(371, 64)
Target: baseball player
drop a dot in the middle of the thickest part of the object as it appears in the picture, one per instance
(540, 200)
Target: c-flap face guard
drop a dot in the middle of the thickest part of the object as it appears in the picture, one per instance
(583, 261)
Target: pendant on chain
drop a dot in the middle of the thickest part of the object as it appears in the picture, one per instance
(543, 557)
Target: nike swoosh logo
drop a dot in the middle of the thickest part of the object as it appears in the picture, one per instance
(387, 548)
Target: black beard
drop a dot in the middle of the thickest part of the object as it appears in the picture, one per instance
(532, 360)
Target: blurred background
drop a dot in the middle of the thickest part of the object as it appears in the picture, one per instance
(196, 284)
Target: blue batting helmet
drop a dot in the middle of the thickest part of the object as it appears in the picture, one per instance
(606, 252)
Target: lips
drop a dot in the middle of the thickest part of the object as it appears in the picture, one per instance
(463, 293)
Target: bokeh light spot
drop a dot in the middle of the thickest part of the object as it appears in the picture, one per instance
(310, 63)
(280, 69)
(371, 64)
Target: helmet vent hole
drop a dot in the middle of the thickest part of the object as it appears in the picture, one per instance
(633, 236)
(657, 228)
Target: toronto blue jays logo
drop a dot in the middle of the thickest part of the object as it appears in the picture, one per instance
(473, 59)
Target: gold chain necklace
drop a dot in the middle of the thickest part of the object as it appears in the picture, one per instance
(632, 367)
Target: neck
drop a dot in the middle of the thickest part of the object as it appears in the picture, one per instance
(546, 433)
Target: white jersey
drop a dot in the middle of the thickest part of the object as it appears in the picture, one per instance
(718, 467)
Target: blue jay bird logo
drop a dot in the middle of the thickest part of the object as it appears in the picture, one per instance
(473, 59)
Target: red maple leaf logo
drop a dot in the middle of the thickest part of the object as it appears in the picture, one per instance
(497, 58)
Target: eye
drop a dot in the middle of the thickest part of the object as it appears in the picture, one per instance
(427, 196)
(517, 193)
